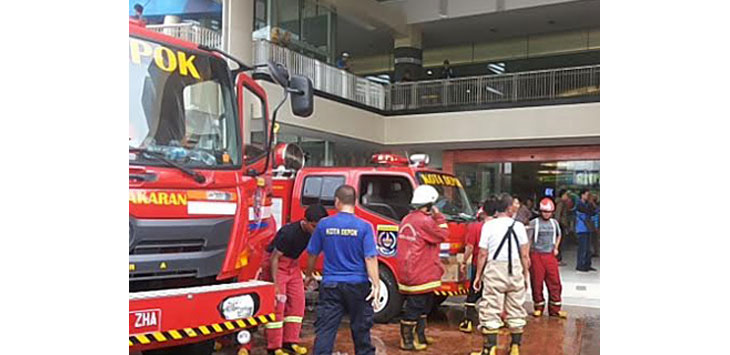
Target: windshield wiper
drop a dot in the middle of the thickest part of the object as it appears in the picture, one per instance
(198, 177)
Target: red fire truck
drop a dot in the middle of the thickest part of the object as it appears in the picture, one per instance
(199, 193)
(384, 195)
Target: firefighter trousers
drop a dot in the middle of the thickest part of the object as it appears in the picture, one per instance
(544, 270)
(500, 290)
(290, 308)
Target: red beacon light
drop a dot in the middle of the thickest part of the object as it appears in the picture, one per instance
(388, 159)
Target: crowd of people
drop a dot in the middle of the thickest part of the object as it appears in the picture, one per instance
(510, 245)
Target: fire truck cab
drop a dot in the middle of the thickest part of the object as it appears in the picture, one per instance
(199, 194)
(384, 194)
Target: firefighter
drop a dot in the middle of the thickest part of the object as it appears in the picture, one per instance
(502, 269)
(546, 237)
(473, 234)
(419, 237)
(282, 268)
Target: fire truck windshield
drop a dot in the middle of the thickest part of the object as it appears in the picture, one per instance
(453, 201)
(181, 107)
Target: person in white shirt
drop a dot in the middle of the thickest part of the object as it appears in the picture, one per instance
(503, 268)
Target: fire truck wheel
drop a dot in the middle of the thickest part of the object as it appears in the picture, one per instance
(202, 348)
(391, 300)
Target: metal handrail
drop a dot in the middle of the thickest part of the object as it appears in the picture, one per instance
(325, 77)
(547, 84)
(484, 90)
(192, 32)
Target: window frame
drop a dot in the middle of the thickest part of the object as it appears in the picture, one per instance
(322, 176)
(360, 178)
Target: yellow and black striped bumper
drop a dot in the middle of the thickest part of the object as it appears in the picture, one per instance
(203, 330)
(451, 293)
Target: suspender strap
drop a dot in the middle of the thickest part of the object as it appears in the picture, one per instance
(508, 238)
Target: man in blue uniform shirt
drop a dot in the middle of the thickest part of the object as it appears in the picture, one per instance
(350, 258)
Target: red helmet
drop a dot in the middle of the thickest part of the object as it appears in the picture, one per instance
(547, 205)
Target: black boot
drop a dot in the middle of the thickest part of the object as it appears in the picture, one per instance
(515, 346)
(421, 331)
(490, 343)
(467, 325)
(407, 333)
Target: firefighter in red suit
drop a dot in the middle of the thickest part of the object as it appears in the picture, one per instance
(544, 245)
(281, 267)
(419, 237)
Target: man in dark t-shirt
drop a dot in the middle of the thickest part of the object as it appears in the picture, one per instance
(281, 267)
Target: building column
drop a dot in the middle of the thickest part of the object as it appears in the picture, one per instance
(237, 32)
(408, 55)
(237, 26)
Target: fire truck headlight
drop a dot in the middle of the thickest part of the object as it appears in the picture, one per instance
(238, 307)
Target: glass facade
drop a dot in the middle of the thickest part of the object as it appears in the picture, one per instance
(305, 26)
(528, 179)
(324, 152)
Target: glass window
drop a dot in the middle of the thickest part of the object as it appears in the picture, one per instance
(453, 201)
(529, 179)
(388, 196)
(181, 106)
(255, 110)
(321, 189)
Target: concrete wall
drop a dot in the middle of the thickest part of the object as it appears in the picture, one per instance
(540, 122)
(537, 123)
(331, 116)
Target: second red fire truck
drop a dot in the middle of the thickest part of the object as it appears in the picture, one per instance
(384, 195)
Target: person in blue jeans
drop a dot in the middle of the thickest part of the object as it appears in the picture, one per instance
(350, 258)
(584, 213)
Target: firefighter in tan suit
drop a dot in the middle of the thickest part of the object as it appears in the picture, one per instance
(503, 269)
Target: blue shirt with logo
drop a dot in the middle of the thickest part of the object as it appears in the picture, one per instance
(346, 241)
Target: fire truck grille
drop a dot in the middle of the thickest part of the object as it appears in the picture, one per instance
(168, 246)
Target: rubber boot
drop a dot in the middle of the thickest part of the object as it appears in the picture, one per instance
(278, 352)
(537, 313)
(561, 314)
(421, 331)
(295, 349)
(514, 348)
(467, 325)
(407, 336)
(490, 343)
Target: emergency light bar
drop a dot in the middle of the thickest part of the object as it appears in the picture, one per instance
(389, 159)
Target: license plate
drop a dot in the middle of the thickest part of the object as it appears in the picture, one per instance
(145, 321)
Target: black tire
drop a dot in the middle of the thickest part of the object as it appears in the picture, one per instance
(394, 302)
(201, 348)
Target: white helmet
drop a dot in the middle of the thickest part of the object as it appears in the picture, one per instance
(424, 195)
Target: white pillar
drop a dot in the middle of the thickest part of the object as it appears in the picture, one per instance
(237, 25)
(237, 29)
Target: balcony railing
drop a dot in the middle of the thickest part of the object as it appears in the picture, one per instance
(325, 77)
(495, 89)
(475, 91)
(191, 32)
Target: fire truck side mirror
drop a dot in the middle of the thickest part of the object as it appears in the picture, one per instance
(302, 100)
